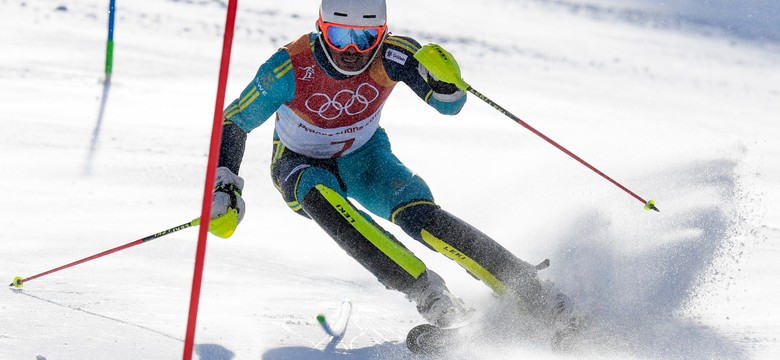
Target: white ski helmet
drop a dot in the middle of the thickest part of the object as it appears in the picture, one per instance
(354, 12)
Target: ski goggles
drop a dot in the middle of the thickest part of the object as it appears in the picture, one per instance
(361, 38)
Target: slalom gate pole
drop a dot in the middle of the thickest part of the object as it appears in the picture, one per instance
(19, 281)
(110, 41)
(211, 169)
(106, 86)
(649, 204)
(441, 63)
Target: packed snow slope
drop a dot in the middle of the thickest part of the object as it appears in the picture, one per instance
(677, 101)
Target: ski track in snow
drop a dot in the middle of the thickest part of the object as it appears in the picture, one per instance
(650, 287)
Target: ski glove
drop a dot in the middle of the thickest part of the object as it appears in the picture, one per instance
(441, 65)
(438, 86)
(227, 206)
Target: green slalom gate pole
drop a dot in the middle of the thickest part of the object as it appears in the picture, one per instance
(19, 281)
(443, 66)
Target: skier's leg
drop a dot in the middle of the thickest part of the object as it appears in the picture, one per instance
(489, 262)
(378, 180)
(313, 189)
(378, 251)
(394, 265)
(381, 183)
(481, 256)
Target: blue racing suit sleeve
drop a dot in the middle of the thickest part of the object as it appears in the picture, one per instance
(273, 86)
(398, 58)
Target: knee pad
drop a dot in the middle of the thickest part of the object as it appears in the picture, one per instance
(414, 216)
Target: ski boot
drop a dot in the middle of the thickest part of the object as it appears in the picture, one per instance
(567, 325)
(436, 303)
(542, 305)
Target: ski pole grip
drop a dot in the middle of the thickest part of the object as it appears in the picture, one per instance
(441, 64)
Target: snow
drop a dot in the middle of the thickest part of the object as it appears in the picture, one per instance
(677, 100)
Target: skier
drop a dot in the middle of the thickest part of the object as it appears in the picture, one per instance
(327, 89)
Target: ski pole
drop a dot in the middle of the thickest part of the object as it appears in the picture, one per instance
(19, 281)
(649, 204)
(435, 58)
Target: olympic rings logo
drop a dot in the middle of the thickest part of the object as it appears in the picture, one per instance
(345, 101)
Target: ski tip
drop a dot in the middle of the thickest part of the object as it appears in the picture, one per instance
(338, 328)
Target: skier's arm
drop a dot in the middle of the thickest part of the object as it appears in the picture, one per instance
(273, 85)
(231, 150)
(398, 57)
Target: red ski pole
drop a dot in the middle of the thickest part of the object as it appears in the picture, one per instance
(649, 204)
(443, 66)
(19, 281)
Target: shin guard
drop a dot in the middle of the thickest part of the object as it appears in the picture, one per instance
(480, 255)
(378, 251)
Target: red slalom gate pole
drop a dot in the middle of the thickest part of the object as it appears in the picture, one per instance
(211, 169)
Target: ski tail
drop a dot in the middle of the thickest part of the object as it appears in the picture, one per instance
(339, 327)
